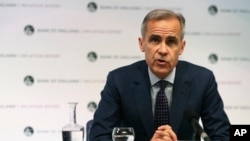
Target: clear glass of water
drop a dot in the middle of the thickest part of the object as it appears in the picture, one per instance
(123, 134)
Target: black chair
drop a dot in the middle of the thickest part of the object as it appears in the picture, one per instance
(88, 127)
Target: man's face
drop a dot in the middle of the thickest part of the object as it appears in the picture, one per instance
(162, 45)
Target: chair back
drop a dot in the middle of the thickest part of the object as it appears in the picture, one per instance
(88, 128)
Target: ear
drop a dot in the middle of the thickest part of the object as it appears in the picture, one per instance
(140, 40)
(183, 44)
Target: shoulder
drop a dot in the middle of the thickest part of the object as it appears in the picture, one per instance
(137, 71)
(134, 67)
(187, 66)
(134, 72)
(191, 70)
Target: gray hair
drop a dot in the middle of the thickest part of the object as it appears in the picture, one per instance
(160, 14)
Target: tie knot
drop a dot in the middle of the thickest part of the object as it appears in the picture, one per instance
(162, 84)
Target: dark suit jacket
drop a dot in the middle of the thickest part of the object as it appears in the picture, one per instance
(126, 101)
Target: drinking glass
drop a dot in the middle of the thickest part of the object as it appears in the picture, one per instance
(123, 134)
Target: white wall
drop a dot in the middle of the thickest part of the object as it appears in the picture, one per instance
(55, 55)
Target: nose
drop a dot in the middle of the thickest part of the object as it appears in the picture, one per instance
(163, 49)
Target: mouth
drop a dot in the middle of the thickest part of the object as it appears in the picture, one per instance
(161, 61)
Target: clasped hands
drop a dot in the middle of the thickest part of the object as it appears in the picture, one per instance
(164, 133)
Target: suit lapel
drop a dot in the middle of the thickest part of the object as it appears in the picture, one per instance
(142, 91)
(181, 94)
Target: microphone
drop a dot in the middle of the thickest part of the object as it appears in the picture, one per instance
(193, 118)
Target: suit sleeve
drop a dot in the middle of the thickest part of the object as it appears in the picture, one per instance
(107, 114)
(214, 118)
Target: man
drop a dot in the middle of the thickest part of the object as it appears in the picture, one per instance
(129, 96)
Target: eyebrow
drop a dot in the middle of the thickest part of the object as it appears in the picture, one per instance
(168, 37)
(172, 37)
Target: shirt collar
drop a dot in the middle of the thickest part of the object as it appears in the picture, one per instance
(154, 79)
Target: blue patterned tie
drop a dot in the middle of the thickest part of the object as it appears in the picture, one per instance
(161, 105)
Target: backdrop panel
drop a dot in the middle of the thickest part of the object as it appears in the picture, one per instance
(57, 51)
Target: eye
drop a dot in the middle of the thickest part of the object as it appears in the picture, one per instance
(155, 39)
(171, 41)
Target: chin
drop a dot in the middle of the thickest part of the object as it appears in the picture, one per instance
(161, 74)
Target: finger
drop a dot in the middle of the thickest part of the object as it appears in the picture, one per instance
(163, 134)
(167, 131)
(167, 138)
(157, 136)
(165, 127)
(172, 135)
